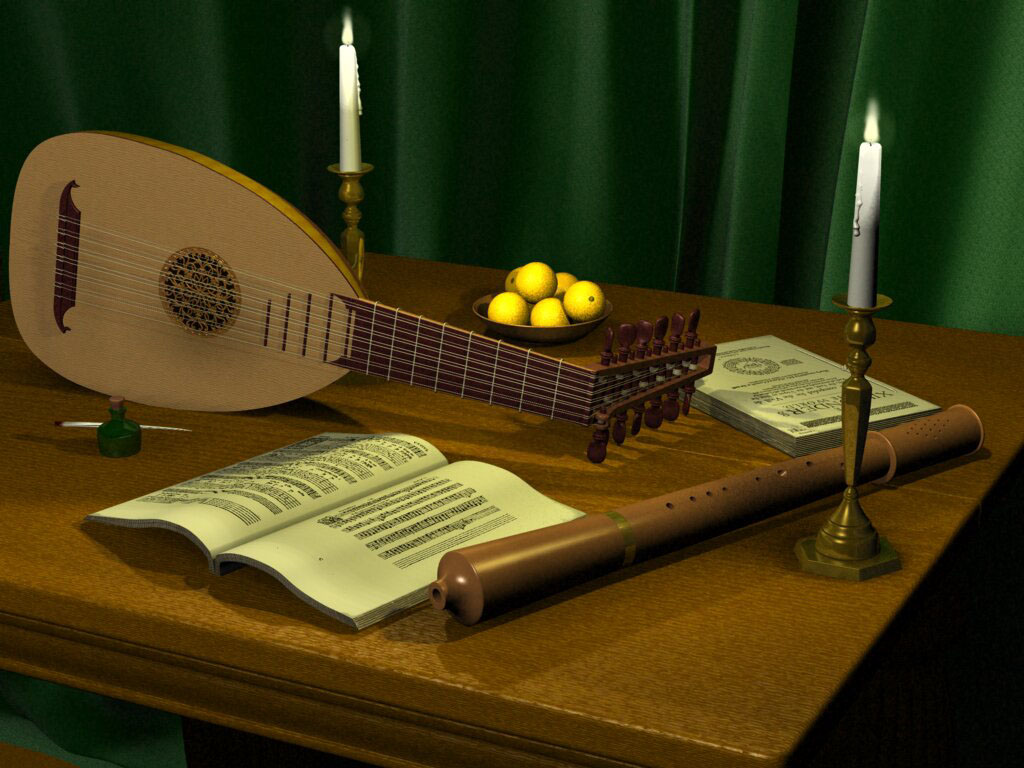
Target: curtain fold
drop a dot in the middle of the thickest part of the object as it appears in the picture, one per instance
(825, 54)
(948, 79)
(733, 202)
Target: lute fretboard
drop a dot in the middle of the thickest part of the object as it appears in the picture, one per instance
(397, 345)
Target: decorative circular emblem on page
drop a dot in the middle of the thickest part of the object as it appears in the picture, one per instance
(752, 366)
(199, 291)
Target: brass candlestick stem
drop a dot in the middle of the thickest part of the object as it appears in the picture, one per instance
(848, 546)
(353, 242)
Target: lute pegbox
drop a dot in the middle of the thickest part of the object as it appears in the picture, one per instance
(645, 370)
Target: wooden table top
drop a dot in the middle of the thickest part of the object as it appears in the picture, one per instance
(723, 654)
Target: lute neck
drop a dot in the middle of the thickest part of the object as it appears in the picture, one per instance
(399, 346)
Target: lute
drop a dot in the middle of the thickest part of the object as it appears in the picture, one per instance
(150, 271)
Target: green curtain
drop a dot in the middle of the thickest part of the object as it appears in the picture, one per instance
(709, 147)
(692, 145)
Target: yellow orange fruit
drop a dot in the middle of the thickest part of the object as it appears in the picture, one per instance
(536, 281)
(564, 280)
(510, 280)
(509, 307)
(583, 300)
(548, 313)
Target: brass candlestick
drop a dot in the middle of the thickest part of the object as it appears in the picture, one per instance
(352, 243)
(848, 546)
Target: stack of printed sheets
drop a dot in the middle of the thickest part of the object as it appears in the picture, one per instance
(790, 397)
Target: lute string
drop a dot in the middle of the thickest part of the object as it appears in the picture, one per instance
(567, 405)
(158, 263)
(164, 250)
(591, 400)
(256, 324)
(163, 253)
(564, 412)
(604, 389)
(401, 353)
(318, 315)
(609, 384)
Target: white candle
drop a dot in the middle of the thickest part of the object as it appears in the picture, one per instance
(867, 206)
(348, 97)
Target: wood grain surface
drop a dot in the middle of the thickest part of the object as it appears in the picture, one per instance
(723, 654)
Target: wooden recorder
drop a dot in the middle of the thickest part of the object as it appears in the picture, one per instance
(485, 579)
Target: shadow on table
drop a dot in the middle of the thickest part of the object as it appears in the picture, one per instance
(944, 686)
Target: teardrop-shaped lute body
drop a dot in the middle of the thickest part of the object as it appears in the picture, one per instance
(152, 272)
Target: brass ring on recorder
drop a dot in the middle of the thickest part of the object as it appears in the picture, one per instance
(628, 538)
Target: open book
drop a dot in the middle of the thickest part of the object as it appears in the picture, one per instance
(353, 524)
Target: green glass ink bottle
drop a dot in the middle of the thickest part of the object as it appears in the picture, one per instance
(119, 436)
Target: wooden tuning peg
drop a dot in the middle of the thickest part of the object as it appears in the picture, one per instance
(609, 339)
(688, 391)
(691, 329)
(635, 427)
(644, 330)
(691, 342)
(678, 323)
(627, 332)
(671, 407)
(653, 415)
(598, 447)
(660, 329)
(619, 428)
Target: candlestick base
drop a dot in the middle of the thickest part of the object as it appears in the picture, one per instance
(353, 242)
(811, 560)
(848, 546)
(848, 534)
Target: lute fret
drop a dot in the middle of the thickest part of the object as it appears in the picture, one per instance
(305, 325)
(287, 310)
(391, 354)
(494, 371)
(415, 349)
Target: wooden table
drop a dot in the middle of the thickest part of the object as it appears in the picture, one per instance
(724, 654)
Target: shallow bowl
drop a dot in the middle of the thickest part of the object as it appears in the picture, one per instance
(561, 334)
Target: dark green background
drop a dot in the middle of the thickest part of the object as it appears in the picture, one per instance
(702, 146)
(709, 147)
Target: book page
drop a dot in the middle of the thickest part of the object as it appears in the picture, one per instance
(371, 557)
(254, 497)
(793, 389)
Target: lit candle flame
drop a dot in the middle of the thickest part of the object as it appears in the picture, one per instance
(346, 31)
(871, 122)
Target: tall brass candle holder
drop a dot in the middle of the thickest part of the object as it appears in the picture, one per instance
(848, 546)
(353, 244)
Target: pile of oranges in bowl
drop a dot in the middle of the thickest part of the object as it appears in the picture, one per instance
(535, 295)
